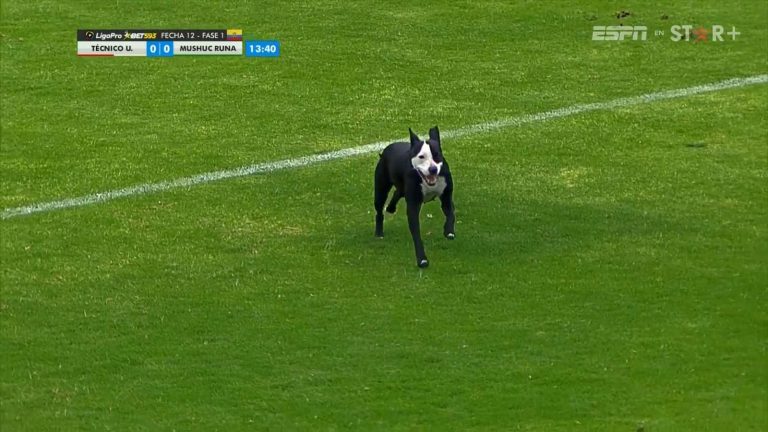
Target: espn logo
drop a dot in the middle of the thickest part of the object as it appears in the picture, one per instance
(618, 33)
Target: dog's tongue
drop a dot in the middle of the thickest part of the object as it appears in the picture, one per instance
(431, 179)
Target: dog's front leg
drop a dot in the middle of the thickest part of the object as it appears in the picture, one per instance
(414, 208)
(446, 202)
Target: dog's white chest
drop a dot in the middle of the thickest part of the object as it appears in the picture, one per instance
(430, 192)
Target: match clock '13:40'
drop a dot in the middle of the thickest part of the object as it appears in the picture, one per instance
(262, 48)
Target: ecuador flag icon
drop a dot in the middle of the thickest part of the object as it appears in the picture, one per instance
(234, 34)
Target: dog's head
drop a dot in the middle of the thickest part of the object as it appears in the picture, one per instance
(427, 156)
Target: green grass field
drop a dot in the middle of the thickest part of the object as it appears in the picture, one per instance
(609, 271)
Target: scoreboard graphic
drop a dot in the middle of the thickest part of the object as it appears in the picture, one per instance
(170, 43)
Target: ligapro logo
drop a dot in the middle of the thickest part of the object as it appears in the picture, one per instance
(619, 33)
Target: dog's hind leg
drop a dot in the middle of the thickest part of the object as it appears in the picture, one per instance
(392, 207)
(381, 187)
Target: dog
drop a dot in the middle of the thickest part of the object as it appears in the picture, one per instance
(419, 173)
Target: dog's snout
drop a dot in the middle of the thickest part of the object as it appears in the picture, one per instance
(433, 170)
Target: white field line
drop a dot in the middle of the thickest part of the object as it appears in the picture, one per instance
(266, 167)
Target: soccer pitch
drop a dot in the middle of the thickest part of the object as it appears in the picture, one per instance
(187, 243)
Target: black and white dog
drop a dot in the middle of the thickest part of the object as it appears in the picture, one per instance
(419, 173)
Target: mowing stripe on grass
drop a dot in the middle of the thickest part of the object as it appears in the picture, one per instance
(266, 167)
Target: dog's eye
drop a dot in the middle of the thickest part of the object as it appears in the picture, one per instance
(421, 156)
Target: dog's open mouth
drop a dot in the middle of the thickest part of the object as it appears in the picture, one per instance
(430, 179)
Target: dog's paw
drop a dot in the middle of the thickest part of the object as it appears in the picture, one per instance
(450, 236)
(423, 263)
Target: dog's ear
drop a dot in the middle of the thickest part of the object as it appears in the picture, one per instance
(434, 134)
(415, 141)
